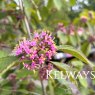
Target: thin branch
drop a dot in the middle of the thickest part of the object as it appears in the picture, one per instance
(27, 26)
(25, 18)
(43, 88)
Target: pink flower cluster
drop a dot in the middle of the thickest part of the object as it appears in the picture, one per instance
(70, 30)
(37, 51)
(61, 27)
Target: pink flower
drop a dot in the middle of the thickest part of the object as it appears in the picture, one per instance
(43, 34)
(71, 29)
(18, 51)
(38, 50)
(80, 31)
(49, 54)
(33, 65)
(61, 27)
(33, 43)
(41, 59)
(84, 19)
(36, 35)
(49, 43)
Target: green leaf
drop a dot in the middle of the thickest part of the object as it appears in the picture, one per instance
(86, 48)
(62, 37)
(24, 73)
(63, 89)
(76, 53)
(5, 91)
(51, 88)
(63, 67)
(72, 2)
(27, 7)
(6, 63)
(3, 14)
(72, 40)
(83, 82)
(58, 4)
(3, 54)
(24, 91)
(77, 63)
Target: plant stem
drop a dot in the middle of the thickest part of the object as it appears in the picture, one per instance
(51, 89)
(44, 93)
(25, 18)
(43, 89)
(27, 27)
(37, 10)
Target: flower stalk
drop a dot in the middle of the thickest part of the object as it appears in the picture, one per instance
(25, 18)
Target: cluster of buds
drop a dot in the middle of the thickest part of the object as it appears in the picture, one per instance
(61, 27)
(84, 19)
(91, 38)
(80, 31)
(90, 14)
(66, 30)
(70, 30)
(37, 51)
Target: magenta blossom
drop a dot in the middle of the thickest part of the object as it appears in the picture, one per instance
(37, 51)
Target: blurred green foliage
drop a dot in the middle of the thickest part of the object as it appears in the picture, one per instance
(47, 14)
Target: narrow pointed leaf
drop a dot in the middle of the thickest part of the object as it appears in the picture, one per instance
(5, 62)
(74, 52)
